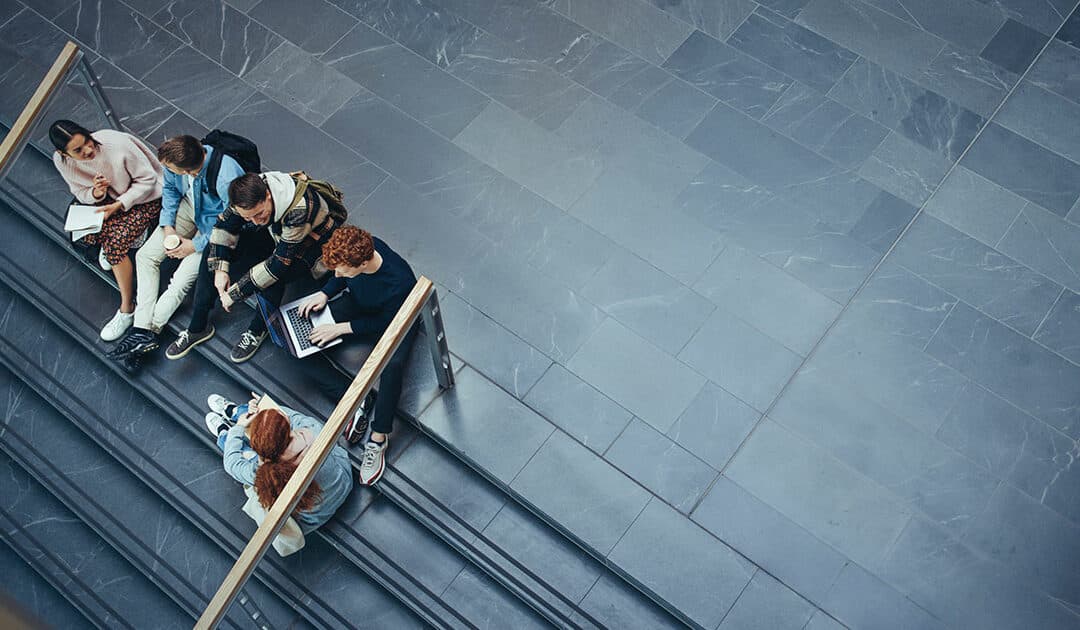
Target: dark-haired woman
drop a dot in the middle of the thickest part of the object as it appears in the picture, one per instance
(280, 439)
(116, 171)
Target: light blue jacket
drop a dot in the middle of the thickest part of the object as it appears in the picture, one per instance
(334, 478)
(207, 206)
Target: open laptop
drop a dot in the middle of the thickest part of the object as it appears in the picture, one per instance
(292, 331)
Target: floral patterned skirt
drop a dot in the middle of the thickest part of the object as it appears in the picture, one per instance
(123, 229)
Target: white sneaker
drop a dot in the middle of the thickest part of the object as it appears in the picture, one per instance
(216, 423)
(117, 326)
(371, 468)
(220, 405)
(104, 262)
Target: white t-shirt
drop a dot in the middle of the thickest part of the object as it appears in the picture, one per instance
(190, 181)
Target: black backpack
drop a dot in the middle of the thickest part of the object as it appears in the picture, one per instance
(237, 147)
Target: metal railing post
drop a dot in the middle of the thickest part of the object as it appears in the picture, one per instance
(436, 338)
(94, 84)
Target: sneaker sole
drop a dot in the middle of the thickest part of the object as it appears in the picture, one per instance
(135, 352)
(248, 357)
(173, 357)
(377, 476)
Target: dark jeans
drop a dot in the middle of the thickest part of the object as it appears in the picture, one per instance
(332, 383)
(253, 247)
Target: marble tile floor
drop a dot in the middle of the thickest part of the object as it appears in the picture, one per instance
(794, 284)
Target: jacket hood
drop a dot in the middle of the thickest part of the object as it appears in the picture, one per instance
(282, 189)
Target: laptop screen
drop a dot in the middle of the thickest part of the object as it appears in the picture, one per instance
(267, 310)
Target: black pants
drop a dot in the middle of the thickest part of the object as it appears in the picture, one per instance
(332, 383)
(253, 247)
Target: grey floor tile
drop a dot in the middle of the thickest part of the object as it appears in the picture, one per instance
(1043, 470)
(788, 8)
(741, 359)
(1025, 168)
(577, 408)
(533, 230)
(989, 431)
(1044, 15)
(586, 495)
(637, 26)
(975, 206)
(9, 10)
(1014, 520)
(501, 447)
(919, 470)
(640, 218)
(1061, 330)
(714, 425)
(905, 169)
(662, 466)
(1054, 70)
(296, 145)
(792, 49)
(322, 26)
(882, 222)
(198, 87)
(777, 304)
(176, 125)
(1045, 242)
(902, 305)
(539, 32)
(140, 109)
(528, 87)
(757, 152)
(871, 33)
(822, 621)
(1070, 30)
(768, 604)
(676, 107)
(822, 124)
(545, 551)
(406, 80)
(967, 23)
(619, 605)
(889, 371)
(30, 36)
(644, 379)
(656, 159)
(717, 192)
(861, 600)
(128, 39)
(1012, 366)
(896, 102)
(682, 563)
(770, 539)
(496, 353)
(601, 66)
(546, 164)
(421, 26)
(649, 302)
(389, 138)
(302, 83)
(480, 598)
(358, 182)
(718, 19)
(1044, 117)
(545, 314)
(960, 588)
(736, 79)
(985, 278)
(811, 488)
(967, 79)
(207, 25)
(1014, 47)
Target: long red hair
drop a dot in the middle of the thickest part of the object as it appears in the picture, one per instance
(270, 433)
(270, 480)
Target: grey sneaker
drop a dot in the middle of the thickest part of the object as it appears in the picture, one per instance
(247, 346)
(185, 341)
(371, 468)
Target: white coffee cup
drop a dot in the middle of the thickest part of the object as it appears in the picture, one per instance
(171, 241)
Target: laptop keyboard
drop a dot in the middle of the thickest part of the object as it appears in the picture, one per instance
(302, 326)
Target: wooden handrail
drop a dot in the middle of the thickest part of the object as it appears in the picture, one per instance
(316, 455)
(14, 140)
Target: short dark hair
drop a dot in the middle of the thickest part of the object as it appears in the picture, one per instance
(185, 152)
(62, 131)
(247, 191)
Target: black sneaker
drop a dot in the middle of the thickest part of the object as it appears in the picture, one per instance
(186, 341)
(131, 363)
(357, 429)
(138, 341)
(247, 346)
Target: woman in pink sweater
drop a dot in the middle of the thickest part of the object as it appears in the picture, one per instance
(116, 171)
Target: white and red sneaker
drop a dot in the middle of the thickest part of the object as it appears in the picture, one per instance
(371, 468)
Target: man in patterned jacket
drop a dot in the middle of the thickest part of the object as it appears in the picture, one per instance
(244, 257)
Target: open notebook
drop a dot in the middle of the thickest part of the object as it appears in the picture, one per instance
(82, 220)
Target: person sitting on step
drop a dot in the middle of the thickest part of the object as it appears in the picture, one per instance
(119, 173)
